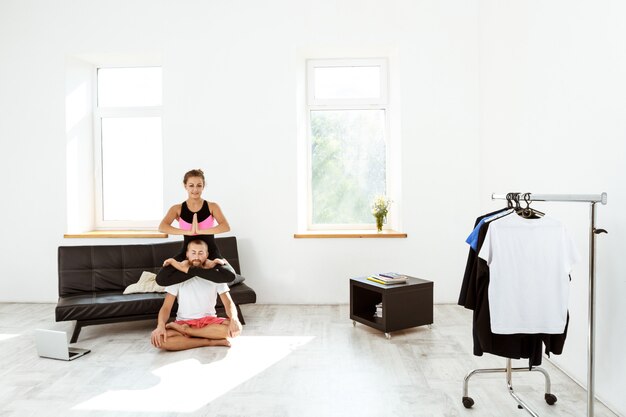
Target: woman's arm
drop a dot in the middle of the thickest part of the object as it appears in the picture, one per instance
(166, 224)
(222, 223)
(182, 266)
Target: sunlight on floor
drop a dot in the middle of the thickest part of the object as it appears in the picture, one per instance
(197, 383)
(6, 336)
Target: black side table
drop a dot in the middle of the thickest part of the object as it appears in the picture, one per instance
(404, 305)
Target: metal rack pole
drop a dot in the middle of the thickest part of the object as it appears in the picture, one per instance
(592, 199)
(580, 198)
(591, 337)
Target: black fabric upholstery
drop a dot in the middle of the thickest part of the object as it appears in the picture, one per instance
(92, 280)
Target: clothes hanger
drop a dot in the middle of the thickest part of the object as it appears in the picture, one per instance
(518, 207)
(505, 212)
(509, 202)
(528, 212)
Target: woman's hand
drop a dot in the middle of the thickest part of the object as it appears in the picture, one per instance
(218, 216)
(181, 266)
(194, 225)
(210, 264)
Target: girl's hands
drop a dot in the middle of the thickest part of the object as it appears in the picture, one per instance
(194, 225)
(208, 264)
(181, 266)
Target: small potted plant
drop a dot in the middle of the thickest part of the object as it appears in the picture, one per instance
(380, 208)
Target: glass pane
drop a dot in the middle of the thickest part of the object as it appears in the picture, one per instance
(132, 173)
(128, 87)
(347, 82)
(348, 164)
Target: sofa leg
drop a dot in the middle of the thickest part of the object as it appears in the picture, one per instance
(77, 329)
(240, 315)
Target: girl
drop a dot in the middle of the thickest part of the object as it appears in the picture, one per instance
(197, 219)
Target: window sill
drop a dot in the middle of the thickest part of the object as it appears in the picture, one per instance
(343, 234)
(98, 234)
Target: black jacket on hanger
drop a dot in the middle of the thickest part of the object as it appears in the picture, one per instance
(466, 297)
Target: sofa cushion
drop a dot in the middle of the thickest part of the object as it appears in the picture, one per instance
(147, 283)
(110, 304)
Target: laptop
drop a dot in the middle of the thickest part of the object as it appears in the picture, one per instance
(53, 344)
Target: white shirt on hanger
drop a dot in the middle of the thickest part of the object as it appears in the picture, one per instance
(529, 265)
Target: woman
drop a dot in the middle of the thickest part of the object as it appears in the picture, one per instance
(197, 219)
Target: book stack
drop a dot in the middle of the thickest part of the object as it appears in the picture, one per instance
(388, 278)
(379, 310)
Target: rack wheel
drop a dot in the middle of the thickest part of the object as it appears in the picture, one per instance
(468, 402)
(550, 399)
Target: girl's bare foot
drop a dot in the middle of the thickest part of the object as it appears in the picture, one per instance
(180, 328)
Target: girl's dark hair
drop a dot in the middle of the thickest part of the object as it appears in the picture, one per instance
(193, 173)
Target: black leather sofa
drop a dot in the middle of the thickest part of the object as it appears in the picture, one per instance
(92, 280)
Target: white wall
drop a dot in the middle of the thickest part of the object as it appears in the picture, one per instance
(231, 75)
(552, 121)
(79, 126)
(479, 81)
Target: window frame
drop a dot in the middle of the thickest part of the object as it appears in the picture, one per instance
(105, 112)
(314, 104)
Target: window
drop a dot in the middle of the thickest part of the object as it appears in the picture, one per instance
(128, 148)
(347, 116)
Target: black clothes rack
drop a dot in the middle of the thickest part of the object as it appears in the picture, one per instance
(592, 199)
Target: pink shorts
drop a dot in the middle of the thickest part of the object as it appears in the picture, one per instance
(203, 322)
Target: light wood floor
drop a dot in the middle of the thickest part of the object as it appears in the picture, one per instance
(290, 361)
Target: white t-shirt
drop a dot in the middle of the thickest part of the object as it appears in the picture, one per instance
(196, 297)
(529, 264)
